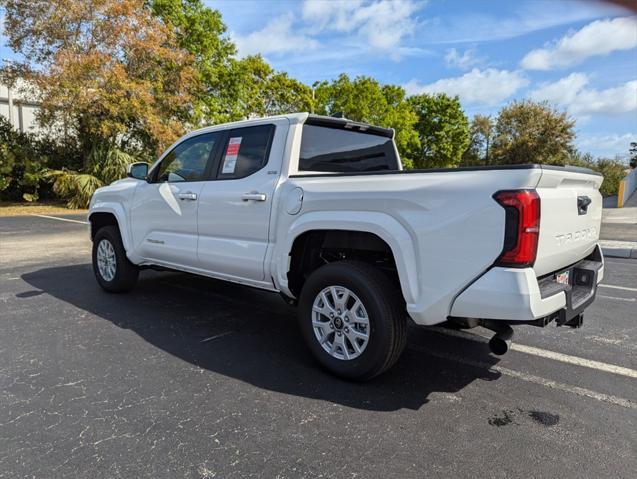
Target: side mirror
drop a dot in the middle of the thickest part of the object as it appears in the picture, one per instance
(138, 171)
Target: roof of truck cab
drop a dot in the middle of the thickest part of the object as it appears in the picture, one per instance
(301, 117)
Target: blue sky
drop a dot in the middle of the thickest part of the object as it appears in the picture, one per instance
(580, 55)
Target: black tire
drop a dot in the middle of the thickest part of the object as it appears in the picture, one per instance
(126, 273)
(386, 313)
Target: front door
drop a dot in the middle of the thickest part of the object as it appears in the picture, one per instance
(234, 210)
(164, 209)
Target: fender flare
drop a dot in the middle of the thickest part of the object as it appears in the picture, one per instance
(117, 210)
(399, 239)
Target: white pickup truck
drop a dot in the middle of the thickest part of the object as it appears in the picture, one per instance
(319, 210)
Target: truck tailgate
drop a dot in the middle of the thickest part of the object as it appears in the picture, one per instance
(570, 218)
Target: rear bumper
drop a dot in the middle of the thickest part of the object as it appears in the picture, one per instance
(512, 294)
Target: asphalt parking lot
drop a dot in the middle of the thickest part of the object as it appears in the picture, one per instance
(191, 377)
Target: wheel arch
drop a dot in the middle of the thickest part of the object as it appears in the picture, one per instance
(104, 215)
(375, 229)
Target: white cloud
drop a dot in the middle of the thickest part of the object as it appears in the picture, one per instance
(562, 92)
(278, 36)
(517, 19)
(606, 145)
(487, 87)
(597, 38)
(573, 93)
(464, 61)
(382, 23)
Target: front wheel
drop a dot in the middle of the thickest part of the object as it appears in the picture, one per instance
(353, 319)
(113, 271)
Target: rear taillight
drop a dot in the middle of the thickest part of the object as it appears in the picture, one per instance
(522, 227)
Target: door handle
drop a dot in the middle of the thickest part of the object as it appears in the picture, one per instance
(189, 195)
(253, 196)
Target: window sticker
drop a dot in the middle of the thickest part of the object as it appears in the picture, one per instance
(230, 159)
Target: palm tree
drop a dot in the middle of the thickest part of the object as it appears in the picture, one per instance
(104, 165)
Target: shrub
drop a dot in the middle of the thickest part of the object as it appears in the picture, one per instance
(104, 165)
(21, 165)
(613, 171)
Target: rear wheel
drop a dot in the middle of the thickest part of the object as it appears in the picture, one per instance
(353, 319)
(113, 271)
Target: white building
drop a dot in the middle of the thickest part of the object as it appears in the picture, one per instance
(19, 112)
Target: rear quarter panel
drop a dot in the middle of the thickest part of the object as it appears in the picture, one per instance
(452, 225)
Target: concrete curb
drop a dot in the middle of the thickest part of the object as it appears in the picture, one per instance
(619, 249)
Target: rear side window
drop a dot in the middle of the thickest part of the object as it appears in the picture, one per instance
(343, 151)
(246, 151)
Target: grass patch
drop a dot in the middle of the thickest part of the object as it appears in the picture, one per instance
(39, 208)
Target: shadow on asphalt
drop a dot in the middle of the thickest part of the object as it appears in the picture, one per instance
(258, 339)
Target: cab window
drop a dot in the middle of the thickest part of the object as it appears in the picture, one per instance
(337, 150)
(246, 151)
(188, 160)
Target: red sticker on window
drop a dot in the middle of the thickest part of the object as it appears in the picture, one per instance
(232, 152)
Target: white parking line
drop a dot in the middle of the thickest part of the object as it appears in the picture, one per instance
(216, 336)
(62, 219)
(544, 353)
(630, 300)
(549, 383)
(624, 288)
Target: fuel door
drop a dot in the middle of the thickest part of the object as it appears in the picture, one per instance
(294, 201)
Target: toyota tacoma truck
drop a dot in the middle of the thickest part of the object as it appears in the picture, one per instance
(320, 210)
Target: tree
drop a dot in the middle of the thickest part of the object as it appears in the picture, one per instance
(232, 89)
(201, 31)
(106, 72)
(105, 165)
(481, 138)
(254, 89)
(633, 154)
(531, 132)
(364, 99)
(443, 130)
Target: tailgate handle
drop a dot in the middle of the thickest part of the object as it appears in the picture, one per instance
(582, 204)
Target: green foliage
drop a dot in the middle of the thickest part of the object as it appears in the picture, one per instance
(253, 89)
(232, 89)
(633, 154)
(201, 32)
(9, 139)
(21, 164)
(443, 130)
(613, 172)
(531, 132)
(131, 75)
(7, 161)
(101, 70)
(364, 99)
(480, 142)
(105, 165)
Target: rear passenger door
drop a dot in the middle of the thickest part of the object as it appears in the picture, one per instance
(234, 208)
